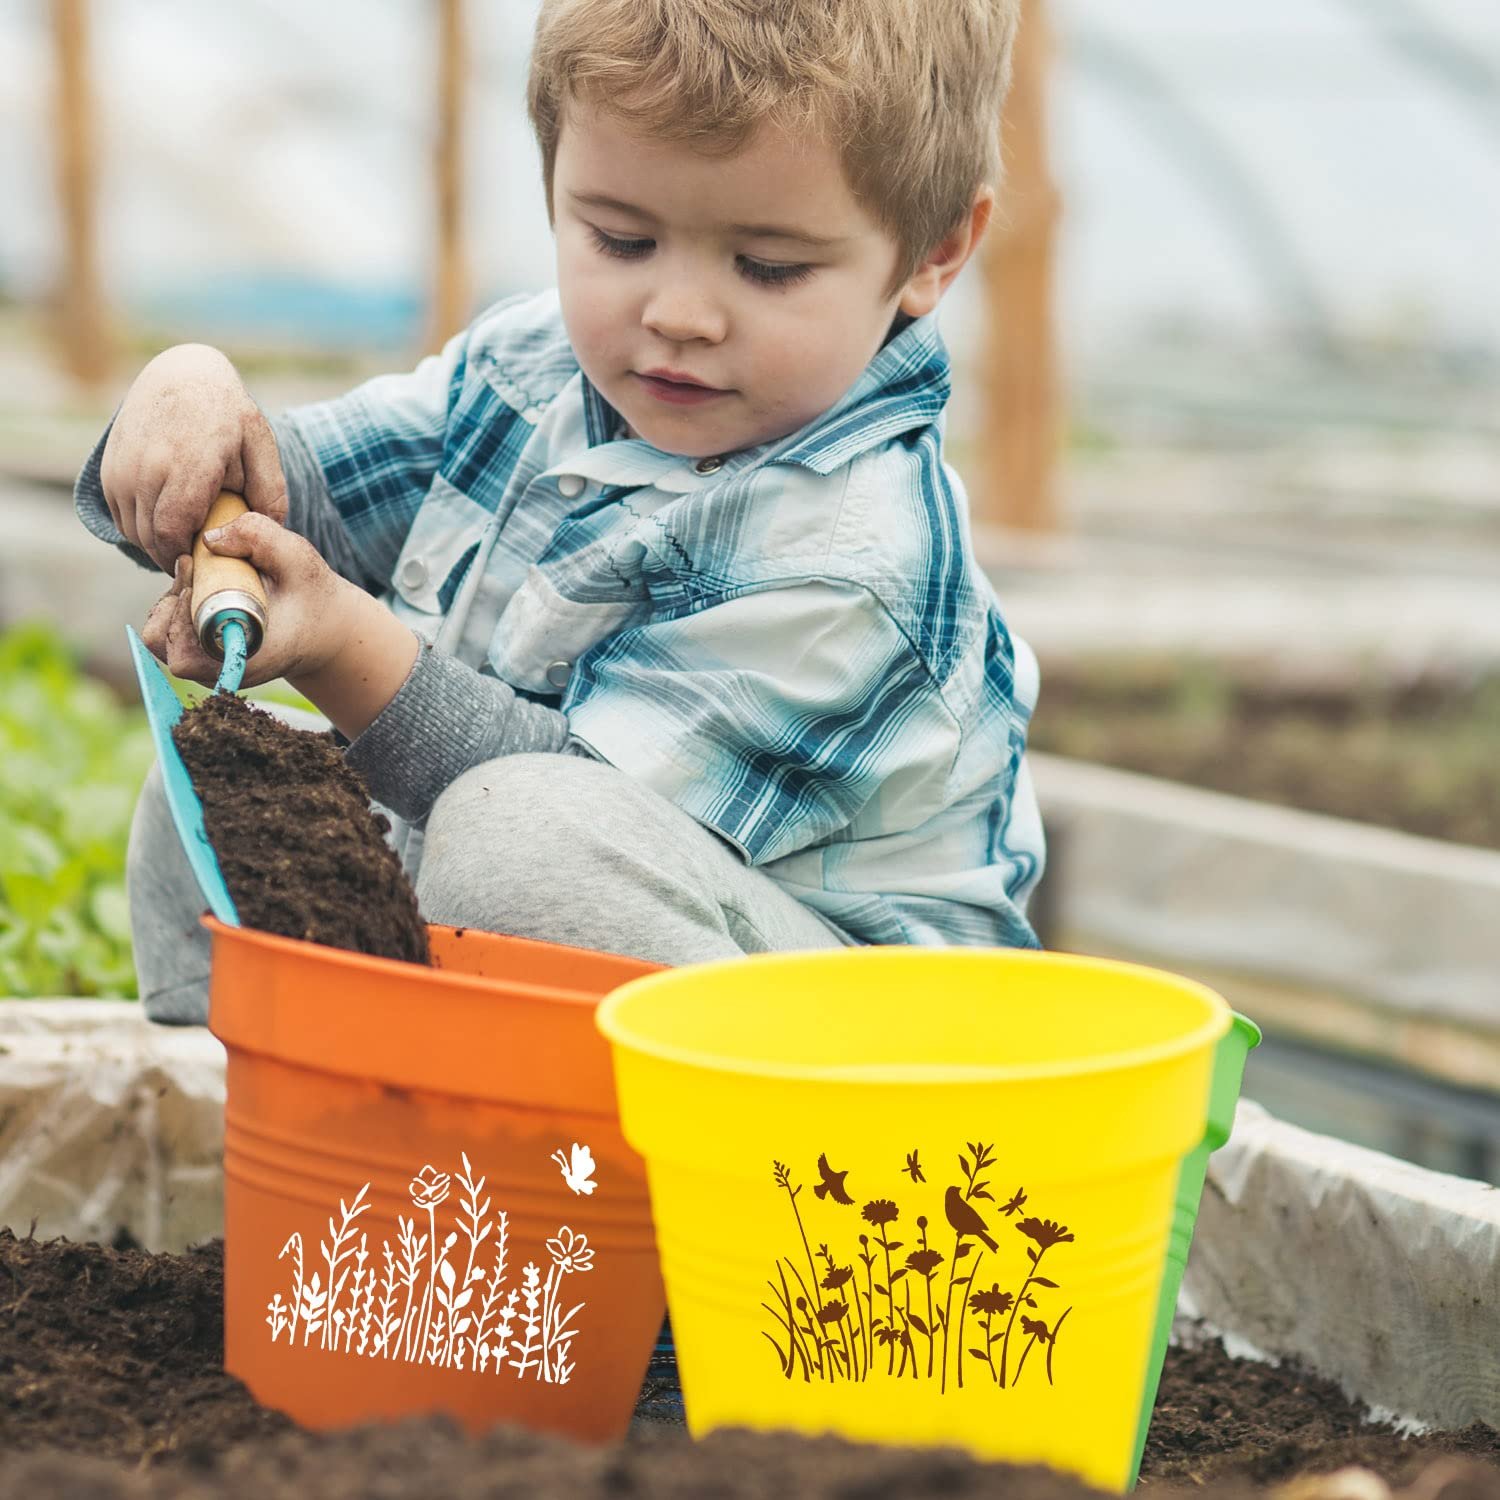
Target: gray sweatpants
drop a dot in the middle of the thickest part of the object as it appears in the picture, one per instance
(555, 847)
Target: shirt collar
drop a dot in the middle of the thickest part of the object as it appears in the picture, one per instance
(600, 420)
(903, 389)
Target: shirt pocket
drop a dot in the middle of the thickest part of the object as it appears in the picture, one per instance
(542, 633)
(448, 528)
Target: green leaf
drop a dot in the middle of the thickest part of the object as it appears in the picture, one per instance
(111, 911)
(73, 758)
(31, 897)
(26, 849)
(98, 813)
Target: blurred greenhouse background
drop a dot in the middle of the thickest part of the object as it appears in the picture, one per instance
(1309, 175)
(1270, 556)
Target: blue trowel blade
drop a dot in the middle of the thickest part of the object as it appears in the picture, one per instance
(163, 710)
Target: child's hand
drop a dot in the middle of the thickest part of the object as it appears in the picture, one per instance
(308, 615)
(186, 430)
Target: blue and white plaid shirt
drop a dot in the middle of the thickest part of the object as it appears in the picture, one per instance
(792, 643)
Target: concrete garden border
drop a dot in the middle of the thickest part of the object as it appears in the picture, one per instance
(109, 1123)
(1378, 1274)
(1317, 927)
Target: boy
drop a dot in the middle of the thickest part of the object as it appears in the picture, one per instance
(648, 607)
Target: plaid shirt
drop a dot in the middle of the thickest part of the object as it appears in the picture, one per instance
(793, 643)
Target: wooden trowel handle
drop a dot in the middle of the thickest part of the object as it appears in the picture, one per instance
(225, 583)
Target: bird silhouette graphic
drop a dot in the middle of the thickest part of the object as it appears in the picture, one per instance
(832, 1185)
(964, 1218)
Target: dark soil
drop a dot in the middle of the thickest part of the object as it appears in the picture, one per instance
(110, 1386)
(301, 850)
(1414, 754)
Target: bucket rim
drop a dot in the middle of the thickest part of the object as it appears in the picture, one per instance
(348, 958)
(1205, 1035)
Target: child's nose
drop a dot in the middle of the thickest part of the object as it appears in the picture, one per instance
(682, 314)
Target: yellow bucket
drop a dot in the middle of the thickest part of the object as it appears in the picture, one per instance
(917, 1195)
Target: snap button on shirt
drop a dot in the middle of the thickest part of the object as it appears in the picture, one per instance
(414, 572)
(570, 486)
(557, 673)
(709, 465)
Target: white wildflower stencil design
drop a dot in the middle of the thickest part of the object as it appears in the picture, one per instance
(577, 1168)
(440, 1297)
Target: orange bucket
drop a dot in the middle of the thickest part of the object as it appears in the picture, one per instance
(428, 1203)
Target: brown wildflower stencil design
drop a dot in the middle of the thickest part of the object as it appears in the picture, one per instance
(922, 1314)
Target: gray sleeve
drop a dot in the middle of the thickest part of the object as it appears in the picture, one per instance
(93, 510)
(445, 718)
(310, 508)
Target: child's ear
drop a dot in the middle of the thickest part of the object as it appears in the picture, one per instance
(946, 259)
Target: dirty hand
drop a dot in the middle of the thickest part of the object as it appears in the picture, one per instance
(309, 607)
(186, 430)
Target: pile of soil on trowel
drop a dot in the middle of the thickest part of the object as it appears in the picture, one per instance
(301, 850)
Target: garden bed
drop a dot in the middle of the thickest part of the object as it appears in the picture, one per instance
(1414, 754)
(111, 1384)
(1324, 852)
(110, 1360)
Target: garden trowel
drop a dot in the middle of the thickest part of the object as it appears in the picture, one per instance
(229, 614)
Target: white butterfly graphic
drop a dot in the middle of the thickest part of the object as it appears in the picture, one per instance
(578, 1171)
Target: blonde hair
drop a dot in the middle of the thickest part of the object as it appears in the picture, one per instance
(907, 91)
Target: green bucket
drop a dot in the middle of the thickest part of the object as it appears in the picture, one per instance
(1224, 1093)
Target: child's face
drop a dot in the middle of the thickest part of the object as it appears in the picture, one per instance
(758, 276)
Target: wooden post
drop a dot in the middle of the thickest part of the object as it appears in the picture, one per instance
(451, 283)
(1022, 404)
(79, 313)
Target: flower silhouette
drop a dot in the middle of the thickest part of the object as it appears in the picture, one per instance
(1046, 1232)
(438, 1295)
(429, 1187)
(858, 1300)
(570, 1252)
(577, 1168)
(992, 1301)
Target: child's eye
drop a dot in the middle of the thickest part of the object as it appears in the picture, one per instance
(772, 274)
(623, 249)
